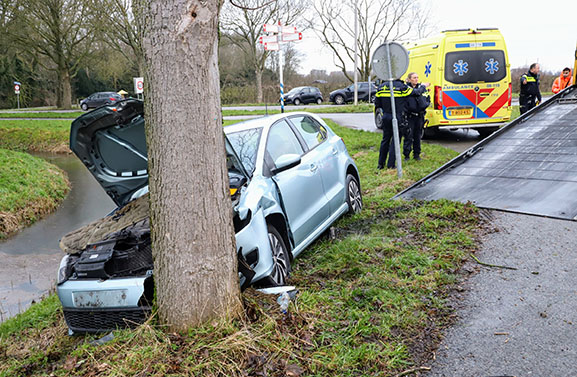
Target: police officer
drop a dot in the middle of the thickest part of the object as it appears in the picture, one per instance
(383, 101)
(416, 108)
(530, 94)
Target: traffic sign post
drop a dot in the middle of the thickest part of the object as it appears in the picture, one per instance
(17, 92)
(139, 86)
(390, 62)
(279, 35)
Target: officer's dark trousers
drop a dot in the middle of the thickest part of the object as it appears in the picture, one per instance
(526, 103)
(413, 136)
(387, 128)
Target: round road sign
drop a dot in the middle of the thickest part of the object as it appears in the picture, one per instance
(399, 58)
(17, 88)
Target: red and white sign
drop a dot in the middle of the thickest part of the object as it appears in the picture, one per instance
(273, 46)
(270, 28)
(268, 39)
(16, 89)
(138, 84)
(292, 37)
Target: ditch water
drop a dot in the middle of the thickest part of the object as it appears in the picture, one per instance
(30, 259)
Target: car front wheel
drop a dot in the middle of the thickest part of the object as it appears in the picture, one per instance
(84, 107)
(297, 101)
(280, 258)
(354, 196)
(339, 100)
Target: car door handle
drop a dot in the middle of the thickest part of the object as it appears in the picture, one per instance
(335, 151)
(313, 168)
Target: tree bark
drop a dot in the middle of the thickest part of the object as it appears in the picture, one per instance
(65, 90)
(258, 83)
(193, 242)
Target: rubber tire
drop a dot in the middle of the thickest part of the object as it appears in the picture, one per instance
(486, 131)
(339, 100)
(84, 107)
(378, 117)
(354, 195)
(319, 101)
(430, 132)
(282, 257)
(297, 101)
(373, 98)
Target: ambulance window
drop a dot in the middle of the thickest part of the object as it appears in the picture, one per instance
(462, 67)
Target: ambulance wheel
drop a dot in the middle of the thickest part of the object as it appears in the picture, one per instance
(429, 132)
(486, 131)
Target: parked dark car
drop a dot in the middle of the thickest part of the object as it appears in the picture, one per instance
(303, 94)
(342, 96)
(99, 99)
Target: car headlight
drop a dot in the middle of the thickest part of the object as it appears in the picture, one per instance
(62, 270)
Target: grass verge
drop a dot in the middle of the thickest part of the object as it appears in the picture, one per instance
(35, 135)
(43, 114)
(29, 189)
(361, 108)
(372, 300)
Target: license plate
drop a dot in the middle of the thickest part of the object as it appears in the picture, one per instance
(100, 299)
(459, 112)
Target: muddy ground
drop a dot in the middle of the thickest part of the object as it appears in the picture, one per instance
(516, 322)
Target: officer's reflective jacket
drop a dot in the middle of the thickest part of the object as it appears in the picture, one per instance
(531, 88)
(402, 93)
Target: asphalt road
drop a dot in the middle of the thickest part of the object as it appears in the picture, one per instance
(517, 322)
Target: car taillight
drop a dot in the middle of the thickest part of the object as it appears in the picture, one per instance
(510, 93)
(438, 98)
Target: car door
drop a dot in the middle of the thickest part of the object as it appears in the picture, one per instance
(325, 151)
(308, 95)
(363, 91)
(300, 187)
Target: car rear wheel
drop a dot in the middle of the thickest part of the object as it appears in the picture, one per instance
(339, 100)
(280, 258)
(319, 101)
(297, 101)
(354, 196)
(379, 118)
(84, 107)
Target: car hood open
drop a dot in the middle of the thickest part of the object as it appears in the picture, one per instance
(110, 142)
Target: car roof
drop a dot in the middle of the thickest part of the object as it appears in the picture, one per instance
(263, 122)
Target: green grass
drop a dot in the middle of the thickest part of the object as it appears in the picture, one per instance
(372, 299)
(46, 114)
(29, 188)
(35, 135)
(361, 108)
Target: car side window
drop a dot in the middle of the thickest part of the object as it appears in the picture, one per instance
(282, 140)
(310, 130)
(363, 85)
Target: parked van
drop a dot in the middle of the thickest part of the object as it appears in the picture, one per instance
(470, 79)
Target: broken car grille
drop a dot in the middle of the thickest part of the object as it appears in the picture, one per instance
(94, 321)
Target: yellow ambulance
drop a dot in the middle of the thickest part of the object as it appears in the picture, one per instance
(470, 79)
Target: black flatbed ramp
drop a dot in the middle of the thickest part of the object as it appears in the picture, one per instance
(529, 166)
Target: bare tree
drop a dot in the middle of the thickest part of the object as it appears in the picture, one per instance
(196, 272)
(244, 21)
(58, 31)
(120, 30)
(378, 20)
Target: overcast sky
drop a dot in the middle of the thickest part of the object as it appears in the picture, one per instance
(534, 31)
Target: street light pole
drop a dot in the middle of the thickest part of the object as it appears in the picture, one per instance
(356, 40)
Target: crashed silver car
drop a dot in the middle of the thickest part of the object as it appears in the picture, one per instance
(290, 177)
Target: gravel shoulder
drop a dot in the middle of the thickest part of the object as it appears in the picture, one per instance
(517, 322)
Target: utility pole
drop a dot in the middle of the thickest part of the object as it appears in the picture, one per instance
(356, 53)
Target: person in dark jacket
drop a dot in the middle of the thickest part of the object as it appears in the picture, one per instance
(416, 109)
(530, 95)
(383, 101)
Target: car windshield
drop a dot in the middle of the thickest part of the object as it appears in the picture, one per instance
(245, 144)
(295, 90)
(470, 66)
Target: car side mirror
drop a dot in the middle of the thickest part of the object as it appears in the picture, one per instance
(285, 162)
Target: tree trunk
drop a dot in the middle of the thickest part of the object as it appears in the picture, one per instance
(66, 90)
(193, 242)
(258, 74)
